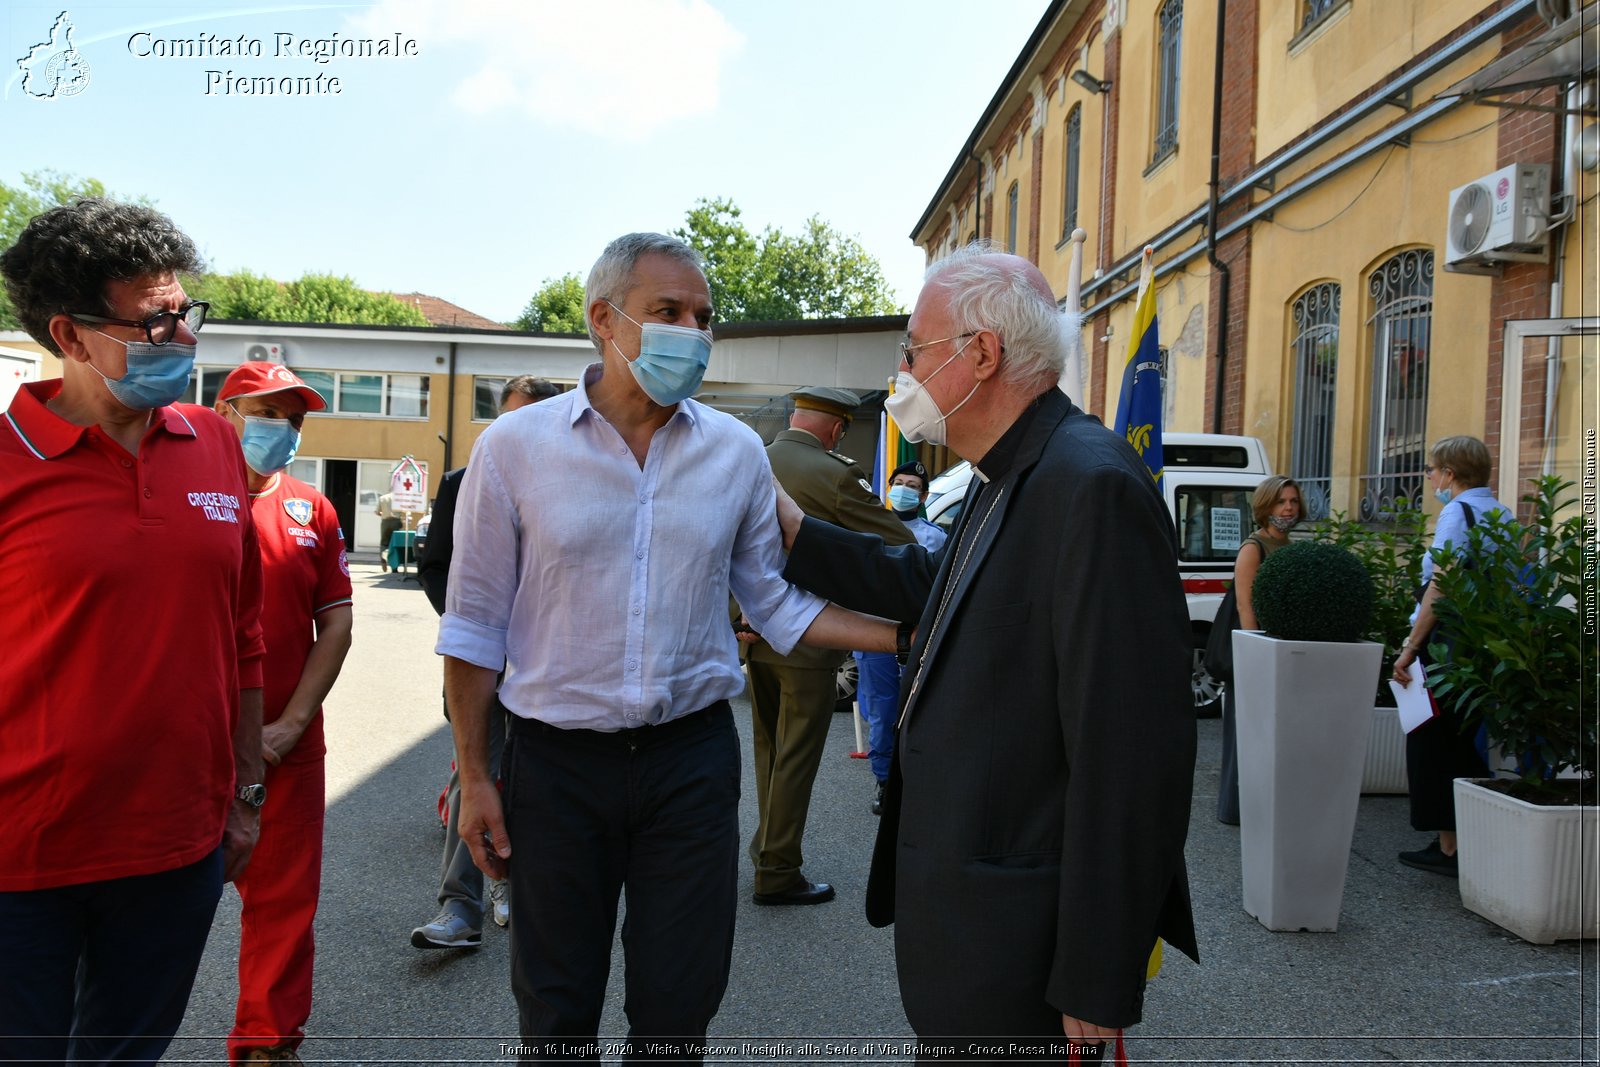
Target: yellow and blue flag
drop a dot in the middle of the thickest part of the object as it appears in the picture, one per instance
(1139, 407)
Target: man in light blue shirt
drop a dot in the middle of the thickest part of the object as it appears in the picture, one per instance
(597, 537)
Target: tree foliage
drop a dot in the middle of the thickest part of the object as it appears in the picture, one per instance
(556, 308)
(819, 273)
(1511, 606)
(40, 191)
(246, 296)
(242, 296)
(1392, 551)
(314, 298)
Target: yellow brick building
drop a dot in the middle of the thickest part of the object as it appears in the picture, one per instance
(1320, 282)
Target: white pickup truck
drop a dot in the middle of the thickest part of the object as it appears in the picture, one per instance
(1208, 482)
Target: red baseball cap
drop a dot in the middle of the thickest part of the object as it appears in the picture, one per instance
(259, 378)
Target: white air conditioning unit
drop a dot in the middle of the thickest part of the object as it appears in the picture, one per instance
(1502, 217)
(270, 351)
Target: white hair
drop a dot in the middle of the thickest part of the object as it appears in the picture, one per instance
(987, 294)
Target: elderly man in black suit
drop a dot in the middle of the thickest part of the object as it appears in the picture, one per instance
(1031, 847)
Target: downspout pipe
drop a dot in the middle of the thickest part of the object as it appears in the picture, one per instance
(1566, 136)
(450, 412)
(1211, 220)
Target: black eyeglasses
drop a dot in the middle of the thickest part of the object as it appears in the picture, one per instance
(161, 327)
(908, 351)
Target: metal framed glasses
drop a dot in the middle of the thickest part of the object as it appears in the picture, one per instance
(908, 351)
(161, 327)
(297, 421)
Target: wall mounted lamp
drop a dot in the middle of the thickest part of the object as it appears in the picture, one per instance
(1090, 82)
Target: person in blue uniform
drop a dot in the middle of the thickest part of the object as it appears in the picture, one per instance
(878, 673)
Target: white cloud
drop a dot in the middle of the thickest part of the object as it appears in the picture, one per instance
(619, 69)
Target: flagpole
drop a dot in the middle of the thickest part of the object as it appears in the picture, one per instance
(1071, 381)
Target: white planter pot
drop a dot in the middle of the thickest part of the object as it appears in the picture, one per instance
(1304, 713)
(1385, 769)
(1527, 867)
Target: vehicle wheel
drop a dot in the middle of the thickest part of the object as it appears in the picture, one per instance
(845, 691)
(1207, 690)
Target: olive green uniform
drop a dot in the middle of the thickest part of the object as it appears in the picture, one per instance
(793, 696)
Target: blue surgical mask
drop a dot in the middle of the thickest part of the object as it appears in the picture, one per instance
(1444, 495)
(672, 359)
(904, 498)
(156, 376)
(269, 444)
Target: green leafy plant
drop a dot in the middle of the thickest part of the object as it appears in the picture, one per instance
(1392, 551)
(1514, 617)
(1313, 591)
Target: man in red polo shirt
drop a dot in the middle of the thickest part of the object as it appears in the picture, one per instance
(306, 616)
(130, 699)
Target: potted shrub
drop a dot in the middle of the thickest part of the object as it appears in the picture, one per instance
(1392, 550)
(1527, 843)
(1305, 709)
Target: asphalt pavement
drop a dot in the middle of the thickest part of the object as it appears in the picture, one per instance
(1409, 977)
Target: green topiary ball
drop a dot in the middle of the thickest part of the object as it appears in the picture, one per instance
(1313, 591)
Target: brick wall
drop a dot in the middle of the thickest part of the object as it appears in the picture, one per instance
(1522, 291)
(1236, 153)
(1035, 195)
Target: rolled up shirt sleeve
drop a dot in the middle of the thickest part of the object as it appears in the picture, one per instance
(780, 611)
(483, 567)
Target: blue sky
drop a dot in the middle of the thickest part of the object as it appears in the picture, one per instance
(522, 135)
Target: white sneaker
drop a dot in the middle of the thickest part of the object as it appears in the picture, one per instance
(500, 901)
(449, 930)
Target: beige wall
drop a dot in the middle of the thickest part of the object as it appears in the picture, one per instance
(1357, 47)
(1148, 203)
(1341, 232)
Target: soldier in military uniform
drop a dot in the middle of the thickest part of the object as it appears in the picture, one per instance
(793, 696)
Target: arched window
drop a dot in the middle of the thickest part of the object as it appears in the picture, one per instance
(1069, 181)
(1011, 219)
(1314, 354)
(1402, 333)
(1169, 45)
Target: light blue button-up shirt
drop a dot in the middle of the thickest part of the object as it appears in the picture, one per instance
(1450, 530)
(603, 587)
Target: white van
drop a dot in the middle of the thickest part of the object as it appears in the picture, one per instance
(1208, 482)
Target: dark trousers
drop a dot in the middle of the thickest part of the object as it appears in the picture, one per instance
(1437, 753)
(101, 972)
(653, 812)
(1228, 769)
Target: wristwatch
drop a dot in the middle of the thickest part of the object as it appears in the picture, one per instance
(253, 795)
(902, 643)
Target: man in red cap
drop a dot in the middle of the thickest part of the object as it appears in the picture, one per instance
(306, 617)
